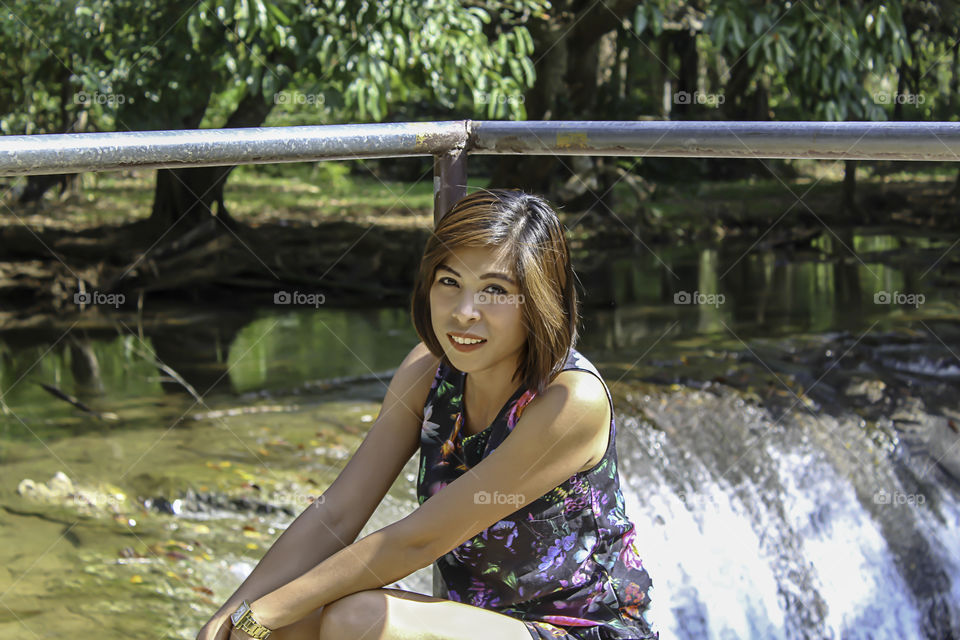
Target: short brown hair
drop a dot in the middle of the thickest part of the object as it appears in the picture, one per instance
(527, 229)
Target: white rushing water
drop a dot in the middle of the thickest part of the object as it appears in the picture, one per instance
(795, 546)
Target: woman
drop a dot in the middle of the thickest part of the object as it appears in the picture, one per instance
(528, 531)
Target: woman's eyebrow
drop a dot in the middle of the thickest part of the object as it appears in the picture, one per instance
(489, 274)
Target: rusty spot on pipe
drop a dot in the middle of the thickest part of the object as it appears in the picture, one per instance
(572, 141)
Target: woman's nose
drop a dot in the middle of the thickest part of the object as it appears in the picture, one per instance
(467, 306)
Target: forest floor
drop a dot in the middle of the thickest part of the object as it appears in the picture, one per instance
(311, 222)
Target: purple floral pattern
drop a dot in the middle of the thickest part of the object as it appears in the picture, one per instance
(568, 558)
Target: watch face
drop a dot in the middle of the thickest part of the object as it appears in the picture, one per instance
(236, 615)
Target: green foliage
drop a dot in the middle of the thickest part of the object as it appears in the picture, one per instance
(179, 64)
(816, 57)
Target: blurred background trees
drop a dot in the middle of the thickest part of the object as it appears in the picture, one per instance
(101, 65)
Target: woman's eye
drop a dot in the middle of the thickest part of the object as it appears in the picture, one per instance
(493, 288)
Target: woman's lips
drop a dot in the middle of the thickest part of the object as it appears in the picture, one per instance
(464, 348)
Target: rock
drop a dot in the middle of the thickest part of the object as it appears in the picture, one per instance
(872, 389)
(61, 485)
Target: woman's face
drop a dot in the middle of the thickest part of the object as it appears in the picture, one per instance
(474, 293)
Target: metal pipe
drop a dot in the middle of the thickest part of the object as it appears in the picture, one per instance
(717, 139)
(77, 152)
(449, 182)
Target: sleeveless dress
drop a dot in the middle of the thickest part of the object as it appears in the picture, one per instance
(566, 563)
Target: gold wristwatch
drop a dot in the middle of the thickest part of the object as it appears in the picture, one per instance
(242, 619)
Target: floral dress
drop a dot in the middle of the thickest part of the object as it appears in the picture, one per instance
(566, 563)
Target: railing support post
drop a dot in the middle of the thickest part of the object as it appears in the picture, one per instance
(449, 181)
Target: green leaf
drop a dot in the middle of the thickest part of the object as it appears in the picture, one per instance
(269, 84)
(261, 18)
(720, 34)
(737, 33)
(639, 20)
(754, 51)
(278, 14)
(480, 13)
(241, 14)
(657, 21)
(530, 73)
(515, 69)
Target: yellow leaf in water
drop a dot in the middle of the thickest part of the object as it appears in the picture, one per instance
(202, 528)
(251, 545)
(224, 464)
(253, 534)
(171, 574)
(263, 451)
(136, 579)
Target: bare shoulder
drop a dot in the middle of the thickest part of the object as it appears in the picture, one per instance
(414, 377)
(583, 383)
(584, 400)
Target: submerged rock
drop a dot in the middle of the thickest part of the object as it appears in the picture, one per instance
(61, 490)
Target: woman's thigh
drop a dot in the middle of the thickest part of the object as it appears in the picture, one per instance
(394, 614)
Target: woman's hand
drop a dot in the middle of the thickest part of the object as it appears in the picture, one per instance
(219, 627)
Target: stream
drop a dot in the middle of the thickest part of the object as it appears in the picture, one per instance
(788, 434)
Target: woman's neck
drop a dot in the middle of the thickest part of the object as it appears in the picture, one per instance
(484, 394)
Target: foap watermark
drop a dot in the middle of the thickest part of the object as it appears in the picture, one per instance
(898, 297)
(500, 98)
(899, 98)
(685, 297)
(297, 498)
(295, 97)
(298, 298)
(98, 298)
(698, 97)
(898, 497)
(86, 99)
(485, 497)
(111, 501)
(516, 299)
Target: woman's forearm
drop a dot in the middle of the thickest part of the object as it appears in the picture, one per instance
(379, 559)
(313, 537)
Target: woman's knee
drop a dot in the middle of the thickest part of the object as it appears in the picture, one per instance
(307, 628)
(359, 615)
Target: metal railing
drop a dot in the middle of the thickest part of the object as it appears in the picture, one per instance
(451, 142)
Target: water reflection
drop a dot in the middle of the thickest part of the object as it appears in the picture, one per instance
(756, 511)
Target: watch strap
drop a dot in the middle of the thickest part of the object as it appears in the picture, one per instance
(250, 626)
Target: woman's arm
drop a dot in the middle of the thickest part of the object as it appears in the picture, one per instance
(557, 436)
(335, 519)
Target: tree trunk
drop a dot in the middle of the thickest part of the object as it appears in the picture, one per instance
(38, 186)
(850, 186)
(897, 100)
(684, 44)
(185, 198)
(566, 47)
(954, 77)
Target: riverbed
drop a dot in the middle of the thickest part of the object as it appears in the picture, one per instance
(787, 431)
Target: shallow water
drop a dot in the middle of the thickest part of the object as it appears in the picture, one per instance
(786, 450)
